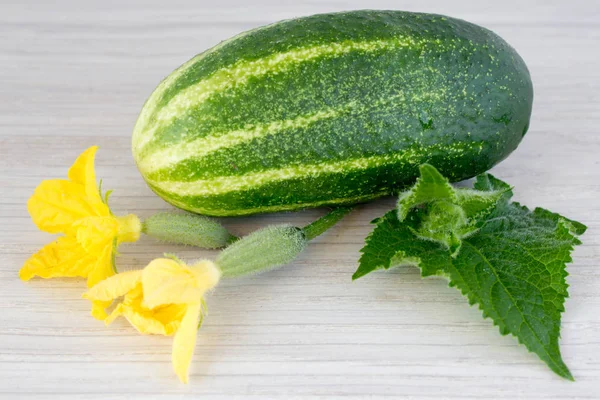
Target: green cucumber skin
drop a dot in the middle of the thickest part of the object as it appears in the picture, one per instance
(331, 109)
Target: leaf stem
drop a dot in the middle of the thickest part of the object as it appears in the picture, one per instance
(319, 226)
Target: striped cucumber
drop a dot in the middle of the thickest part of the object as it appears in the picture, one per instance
(331, 109)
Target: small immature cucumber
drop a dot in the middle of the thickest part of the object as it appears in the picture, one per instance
(265, 249)
(190, 229)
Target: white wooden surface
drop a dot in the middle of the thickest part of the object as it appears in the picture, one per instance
(73, 74)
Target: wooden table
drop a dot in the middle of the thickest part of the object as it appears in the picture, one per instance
(74, 74)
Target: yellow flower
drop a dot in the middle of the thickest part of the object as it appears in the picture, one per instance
(165, 298)
(75, 208)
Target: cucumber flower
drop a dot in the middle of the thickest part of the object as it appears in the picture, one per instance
(165, 298)
(91, 233)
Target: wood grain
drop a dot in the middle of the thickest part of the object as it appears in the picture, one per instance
(73, 74)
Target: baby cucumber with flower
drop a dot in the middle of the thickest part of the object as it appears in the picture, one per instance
(331, 109)
(167, 296)
(76, 208)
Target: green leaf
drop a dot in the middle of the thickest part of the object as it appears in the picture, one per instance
(511, 263)
(489, 183)
(477, 204)
(393, 243)
(452, 214)
(430, 186)
(514, 269)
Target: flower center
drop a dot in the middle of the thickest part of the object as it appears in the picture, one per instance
(129, 228)
(207, 274)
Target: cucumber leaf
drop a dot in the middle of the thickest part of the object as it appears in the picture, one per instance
(505, 258)
(393, 243)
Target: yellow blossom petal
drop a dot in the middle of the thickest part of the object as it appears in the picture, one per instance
(65, 257)
(207, 274)
(95, 233)
(146, 323)
(163, 320)
(99, 309)
(57, 204)
(100, 271)
(103, 266)
(118, 311)
(62, 258)
(115, 286)
(170, 316)
(184, 342)
(166, 281)
(82, 172)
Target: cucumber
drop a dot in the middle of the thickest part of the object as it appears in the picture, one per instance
(331, 109)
